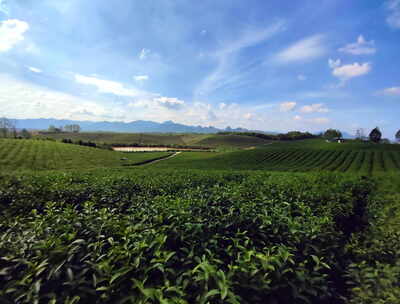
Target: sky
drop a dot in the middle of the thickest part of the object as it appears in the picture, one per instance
(264, 65)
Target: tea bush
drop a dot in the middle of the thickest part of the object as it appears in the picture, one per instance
(165, 236)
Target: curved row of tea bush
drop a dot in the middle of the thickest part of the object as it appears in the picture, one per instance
(190, 237)
(28, 155)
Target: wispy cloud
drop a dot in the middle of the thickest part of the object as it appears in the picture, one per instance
(4, 7)
(225, 71)
(301, 77)
(360, 47)
(144, 53)
(393, 91)
(108, 86)
(141, 78)
(303, 50)
(35, 70)
(393, 9)
(11, 33)
(316, 120)
(314, 108)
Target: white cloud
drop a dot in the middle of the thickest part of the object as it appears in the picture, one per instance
(393, 18)
(140, 78)
(222, 105)
(35, 70)
(24, 100)
(287, 106)
(32, 48)
(303, 50)
(393, 91)
(203, 32)
(169, 102)
(334, 63)
(349, 71)
(248, 116)
(319, 120)
(11, 33)
(301, 77)
(316, 107)
(360, 47)
(108, 86)
(144, 53)
(312, 121)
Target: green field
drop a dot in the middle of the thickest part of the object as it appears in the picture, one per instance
(17, 155)
(200, 140)
(80, 225)
(302, 156)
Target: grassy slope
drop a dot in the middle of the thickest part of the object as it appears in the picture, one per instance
(306, 155)
(17, 155)
(121, 138)
(203, 140)
(228, 141)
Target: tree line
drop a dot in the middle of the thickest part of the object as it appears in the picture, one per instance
(73, 128)
(8, 129)
(293, 135)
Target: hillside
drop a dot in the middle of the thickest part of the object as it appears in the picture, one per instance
(305, 155)
(17, 155)
(229, 141)
(201, 140)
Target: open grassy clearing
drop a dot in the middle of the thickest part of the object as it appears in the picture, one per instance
(16, 155)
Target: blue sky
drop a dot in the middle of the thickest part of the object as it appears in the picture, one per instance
(266, 65)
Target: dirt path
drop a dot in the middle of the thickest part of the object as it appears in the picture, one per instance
(160, 159)
(147, 162)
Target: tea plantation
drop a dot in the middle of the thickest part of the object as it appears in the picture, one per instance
(22, 155)
(170, 233)
(306, 155)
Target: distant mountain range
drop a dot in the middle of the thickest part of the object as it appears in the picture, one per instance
(138, 126)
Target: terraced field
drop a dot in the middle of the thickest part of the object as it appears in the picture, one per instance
(17, 155)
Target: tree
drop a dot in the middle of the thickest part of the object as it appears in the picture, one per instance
(375, 135)
(53, 129)
(72, 128)
(332, 133)
(7, 127)
(360, 134)
(25, 134)
(398, 136)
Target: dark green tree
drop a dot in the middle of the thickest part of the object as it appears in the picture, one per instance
(398, 136)
(25, 133)
(332, 133)
(375, 135)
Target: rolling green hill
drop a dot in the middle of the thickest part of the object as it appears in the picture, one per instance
(17, 155)
(229, 141)
(200, 140)
(306, 155)
(121, 138)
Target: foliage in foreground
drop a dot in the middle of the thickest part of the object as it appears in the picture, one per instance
(187, 237)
